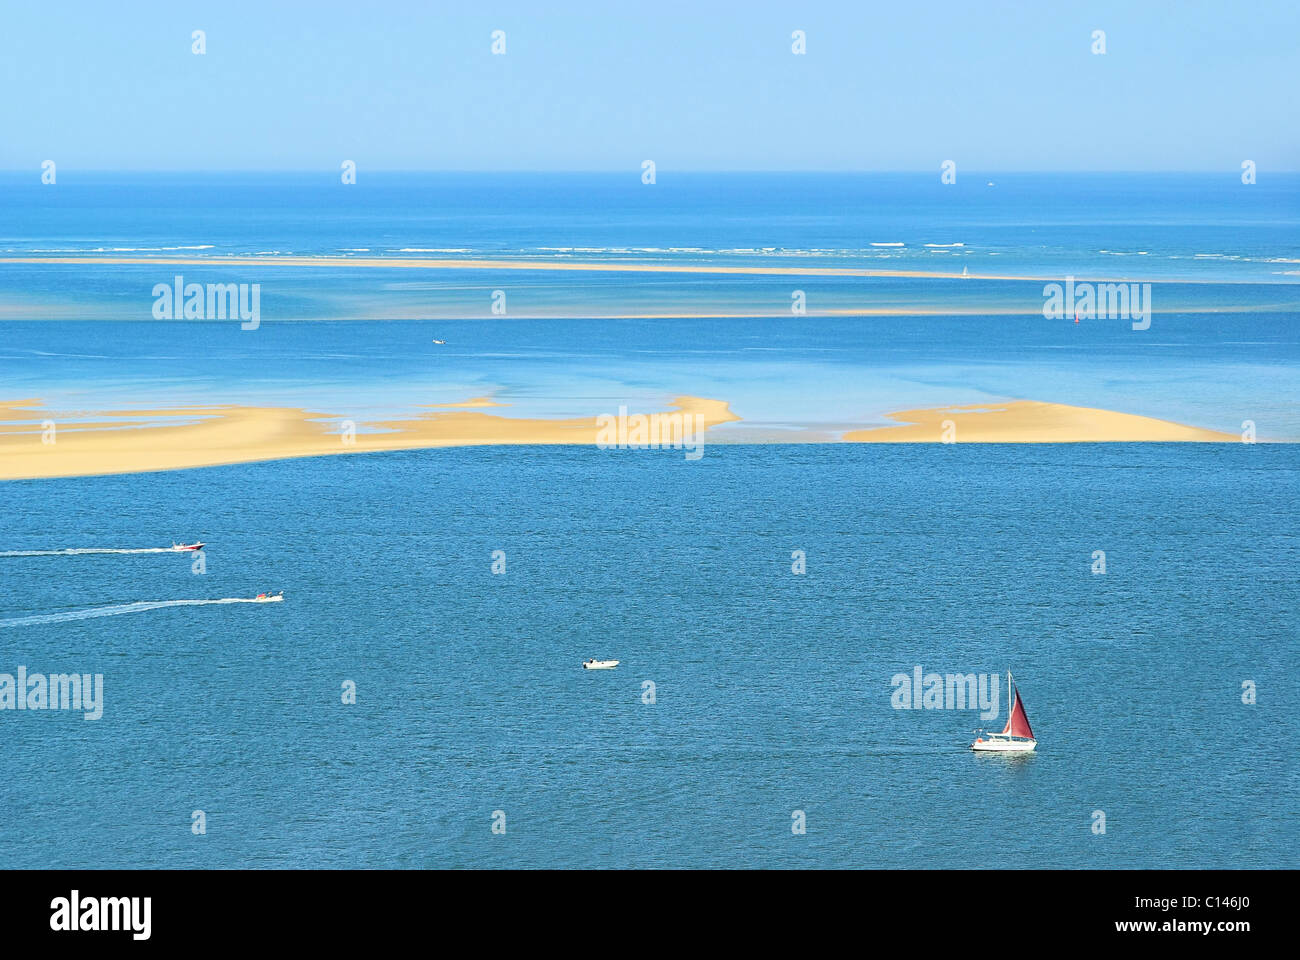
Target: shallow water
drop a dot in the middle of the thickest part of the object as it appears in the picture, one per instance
(1221, 348)
(772, 689)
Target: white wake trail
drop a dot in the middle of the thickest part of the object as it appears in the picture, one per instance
(74, 551)
(138, 607)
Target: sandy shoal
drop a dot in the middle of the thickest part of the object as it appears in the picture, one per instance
(1030, 421)
(138, 441)
(587, 266)
(134, 442)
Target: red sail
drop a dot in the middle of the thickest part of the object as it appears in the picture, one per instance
(1017, 722)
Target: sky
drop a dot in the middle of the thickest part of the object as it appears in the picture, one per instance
(691, 85)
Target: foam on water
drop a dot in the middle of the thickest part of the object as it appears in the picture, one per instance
(112, 611)
(80, 551)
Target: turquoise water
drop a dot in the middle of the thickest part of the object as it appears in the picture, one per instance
(772, 690)
(795, 378)
(354, 342)
(1168, 226)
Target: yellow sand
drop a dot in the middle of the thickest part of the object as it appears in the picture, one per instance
(135, 441)
(1028, 421)
(900, 310)
(238, 434)
(598, 266)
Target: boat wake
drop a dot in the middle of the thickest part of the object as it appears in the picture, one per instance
(138, 607)
(76, 551)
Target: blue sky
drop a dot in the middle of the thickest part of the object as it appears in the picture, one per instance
(691, 85)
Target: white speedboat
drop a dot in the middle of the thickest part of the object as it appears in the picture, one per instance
(594, 664)
(269, 597)
(196, 545)
(1016, 736)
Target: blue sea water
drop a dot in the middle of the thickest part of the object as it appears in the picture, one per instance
(772, 690)
(349, 342)
(1167, 226)
(790, 378)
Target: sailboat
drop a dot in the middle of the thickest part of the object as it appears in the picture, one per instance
(1016, 736)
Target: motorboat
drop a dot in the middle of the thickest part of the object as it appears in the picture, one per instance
(594, 664)
(269, 597)
(1016, 736)
(180, 547)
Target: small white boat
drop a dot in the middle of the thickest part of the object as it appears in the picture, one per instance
(196, 545)
(269, 597)
(1016, 736)
(594, 664)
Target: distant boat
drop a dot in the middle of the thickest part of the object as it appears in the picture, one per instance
(196, 545)
(965, 271)
(269, 597)
(594, 664)
(440, 341)
(1016, 736)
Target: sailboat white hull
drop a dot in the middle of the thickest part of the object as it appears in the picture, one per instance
(1016, 736)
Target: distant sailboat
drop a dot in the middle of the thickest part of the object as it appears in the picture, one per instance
(965, 271)
(1016, 736)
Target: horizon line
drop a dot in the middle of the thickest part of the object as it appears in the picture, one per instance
(636, 170)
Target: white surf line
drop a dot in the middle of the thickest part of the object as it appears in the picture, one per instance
(75, 551)
(138, 607)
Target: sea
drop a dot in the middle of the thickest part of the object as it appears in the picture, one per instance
(418, 698)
